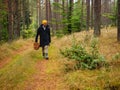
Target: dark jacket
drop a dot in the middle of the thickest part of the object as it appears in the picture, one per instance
(45, 37)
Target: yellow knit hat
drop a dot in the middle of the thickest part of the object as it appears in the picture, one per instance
(44, 22)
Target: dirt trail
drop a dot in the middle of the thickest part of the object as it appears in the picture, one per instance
(46, 76)
(43, 80)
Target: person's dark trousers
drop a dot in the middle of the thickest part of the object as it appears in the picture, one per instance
(45, 52)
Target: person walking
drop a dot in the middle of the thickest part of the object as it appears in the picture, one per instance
(45, 38)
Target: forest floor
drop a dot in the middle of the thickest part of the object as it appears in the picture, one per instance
(23, 68)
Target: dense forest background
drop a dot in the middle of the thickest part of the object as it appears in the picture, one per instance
(21, 18)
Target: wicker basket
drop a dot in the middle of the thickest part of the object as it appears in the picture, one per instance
(36, 45)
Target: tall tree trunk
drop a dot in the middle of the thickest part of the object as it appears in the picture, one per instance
(97, 17)
(10, 20)
(16, 19)
(56, 16)
(92, 7)
(63, 13)
(88, 14)
(2, 8)
(118, 31)
(38, 12)
(63, 9)
(23, 14)
(48, 11)
(105, 9)
(42, 9)
(82, 14)
(70, 16)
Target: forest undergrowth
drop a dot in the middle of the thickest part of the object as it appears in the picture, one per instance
(27, 70)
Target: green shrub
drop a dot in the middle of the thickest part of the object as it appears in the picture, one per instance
(84, 59)
(116, 56)
(27, 33)
(59, 33)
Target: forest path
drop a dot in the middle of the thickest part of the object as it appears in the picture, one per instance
(48, 74)
(27, 70)
(43, 79)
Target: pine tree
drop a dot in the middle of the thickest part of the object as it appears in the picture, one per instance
(118, 32)
(70, 10)
(97, 17)
(88, 14)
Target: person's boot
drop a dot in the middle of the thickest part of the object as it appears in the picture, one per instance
(43, 55)
(46, 56)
